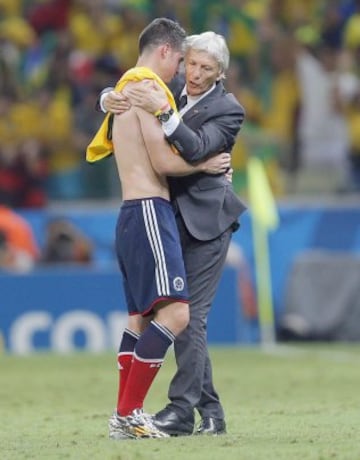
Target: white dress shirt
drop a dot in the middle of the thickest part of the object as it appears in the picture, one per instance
(173, 122)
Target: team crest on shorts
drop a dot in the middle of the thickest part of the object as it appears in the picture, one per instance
(178, 283)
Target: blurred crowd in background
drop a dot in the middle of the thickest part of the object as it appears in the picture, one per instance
(295, 67)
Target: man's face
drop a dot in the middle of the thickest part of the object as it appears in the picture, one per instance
(201, 71)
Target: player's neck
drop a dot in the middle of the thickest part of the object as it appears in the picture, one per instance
(151, 63)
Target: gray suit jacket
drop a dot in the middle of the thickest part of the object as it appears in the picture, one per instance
(207, 203)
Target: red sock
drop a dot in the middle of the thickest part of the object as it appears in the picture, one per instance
(149, 354)
(124, 363)
(139, 380)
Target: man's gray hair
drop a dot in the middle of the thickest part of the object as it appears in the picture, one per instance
(211, 43)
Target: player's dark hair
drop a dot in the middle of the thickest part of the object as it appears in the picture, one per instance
(160, 32)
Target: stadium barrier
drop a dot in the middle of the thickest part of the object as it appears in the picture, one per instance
(71, 308)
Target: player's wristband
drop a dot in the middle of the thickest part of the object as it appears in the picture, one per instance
(163, 109)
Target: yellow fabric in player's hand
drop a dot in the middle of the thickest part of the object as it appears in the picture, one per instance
(101, 145)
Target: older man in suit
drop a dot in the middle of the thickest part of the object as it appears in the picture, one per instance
(207, 212)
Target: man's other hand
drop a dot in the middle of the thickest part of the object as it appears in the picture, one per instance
(218, 164)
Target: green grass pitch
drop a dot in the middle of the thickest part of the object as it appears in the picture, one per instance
(286, 403)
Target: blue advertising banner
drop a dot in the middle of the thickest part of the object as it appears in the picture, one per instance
(78, 308)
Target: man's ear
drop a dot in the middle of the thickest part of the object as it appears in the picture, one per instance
(164, 49)
(221, 76)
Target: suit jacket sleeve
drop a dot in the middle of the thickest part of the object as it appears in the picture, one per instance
(213, 134)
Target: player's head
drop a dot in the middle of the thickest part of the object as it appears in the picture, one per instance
(206, 61)
(164, 40)
(162, 31)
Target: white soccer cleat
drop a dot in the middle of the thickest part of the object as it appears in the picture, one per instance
(117, 427)
(137, 425)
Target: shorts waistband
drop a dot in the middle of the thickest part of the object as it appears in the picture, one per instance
(138, 201)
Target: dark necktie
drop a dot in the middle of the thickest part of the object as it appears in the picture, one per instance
(182, 102)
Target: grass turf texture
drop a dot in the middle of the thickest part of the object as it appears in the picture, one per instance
(288, 403)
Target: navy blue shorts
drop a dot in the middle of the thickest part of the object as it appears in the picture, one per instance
(149, 254)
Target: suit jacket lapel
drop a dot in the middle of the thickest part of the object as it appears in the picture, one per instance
(204, 103)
